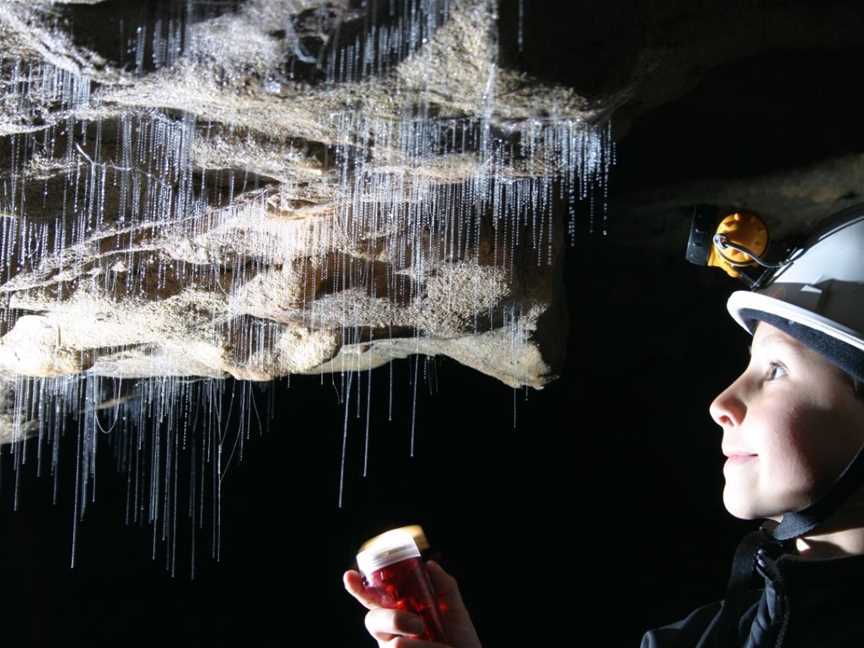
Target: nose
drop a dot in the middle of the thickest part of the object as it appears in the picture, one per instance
(728, 408)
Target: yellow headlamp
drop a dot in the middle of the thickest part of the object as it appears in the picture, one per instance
(734, 241)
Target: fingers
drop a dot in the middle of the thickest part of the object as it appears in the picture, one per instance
(370, 598)
(407, 642)
(354, 586)
(385, 625)
(441, 577)
(445, 585)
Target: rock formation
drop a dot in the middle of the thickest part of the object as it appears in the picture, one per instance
(280, 188)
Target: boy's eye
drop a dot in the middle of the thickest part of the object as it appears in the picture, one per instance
(771, 367)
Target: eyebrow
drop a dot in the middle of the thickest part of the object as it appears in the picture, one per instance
(773, 337)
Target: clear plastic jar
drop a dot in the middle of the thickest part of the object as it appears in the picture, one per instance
(394, 571)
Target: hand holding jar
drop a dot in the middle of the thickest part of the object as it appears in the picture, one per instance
(411, 604)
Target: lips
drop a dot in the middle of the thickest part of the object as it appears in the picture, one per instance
(737, 452)
(740, 458)
(737, 456)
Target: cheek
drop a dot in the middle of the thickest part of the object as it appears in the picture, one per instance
(799, 456)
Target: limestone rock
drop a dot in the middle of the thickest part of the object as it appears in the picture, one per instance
(287, 187)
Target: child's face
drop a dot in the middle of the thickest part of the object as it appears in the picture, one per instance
(792, 410)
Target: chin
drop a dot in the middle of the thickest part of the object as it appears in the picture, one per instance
(741, 508)
(744, 510)
(743, 515)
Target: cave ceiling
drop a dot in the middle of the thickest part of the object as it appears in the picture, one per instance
(265, 188)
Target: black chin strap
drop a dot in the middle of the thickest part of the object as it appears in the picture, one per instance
(797, 524)
(774, 539)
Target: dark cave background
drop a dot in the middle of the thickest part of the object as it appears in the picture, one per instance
(600, 513)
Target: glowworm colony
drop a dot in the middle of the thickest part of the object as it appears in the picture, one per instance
(222, 194)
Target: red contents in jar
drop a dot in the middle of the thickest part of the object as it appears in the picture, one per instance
(405, 585)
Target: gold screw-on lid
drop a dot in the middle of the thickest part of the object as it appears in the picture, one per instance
(414, 530)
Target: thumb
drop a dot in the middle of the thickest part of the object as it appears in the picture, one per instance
(446, 586)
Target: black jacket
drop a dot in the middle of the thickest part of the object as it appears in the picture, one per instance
(803, 604)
